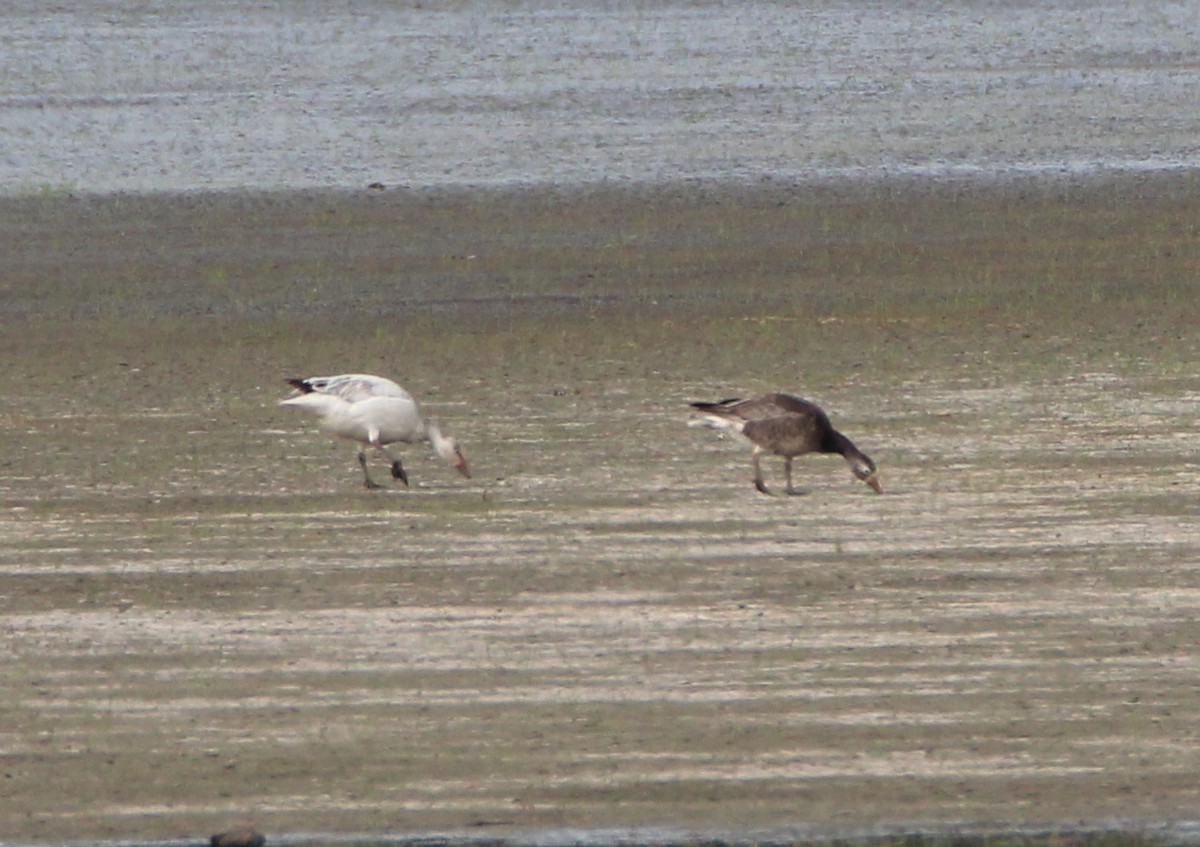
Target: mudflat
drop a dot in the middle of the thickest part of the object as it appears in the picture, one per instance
(208, 621)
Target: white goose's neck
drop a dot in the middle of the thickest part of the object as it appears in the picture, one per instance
(442, 445)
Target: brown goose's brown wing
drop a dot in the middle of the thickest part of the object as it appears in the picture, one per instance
(760, 408)
(786, 435)
(789, 405)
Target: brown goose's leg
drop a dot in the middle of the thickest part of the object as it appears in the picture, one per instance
(787, 467)
(758, 477)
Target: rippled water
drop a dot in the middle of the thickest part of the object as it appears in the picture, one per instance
(106, 95)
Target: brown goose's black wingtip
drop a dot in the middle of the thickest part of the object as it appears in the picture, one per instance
(707, 407)
(301, 384)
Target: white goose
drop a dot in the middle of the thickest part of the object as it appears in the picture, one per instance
(373, 411)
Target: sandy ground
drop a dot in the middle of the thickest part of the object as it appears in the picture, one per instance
(208, 620)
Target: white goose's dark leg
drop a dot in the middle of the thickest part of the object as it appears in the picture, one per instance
(367, 481)
(758, 477)
(374, 438)
(397, 468)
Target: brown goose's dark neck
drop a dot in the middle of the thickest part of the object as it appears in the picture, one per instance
(835, 442)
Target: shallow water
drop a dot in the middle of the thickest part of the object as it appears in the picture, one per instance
(105, 96)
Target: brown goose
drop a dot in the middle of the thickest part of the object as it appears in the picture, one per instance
(786, 426)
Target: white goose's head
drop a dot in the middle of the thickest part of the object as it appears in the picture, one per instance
(447, 447)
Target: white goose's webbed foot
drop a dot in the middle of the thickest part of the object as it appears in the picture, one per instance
(394, 465)
(367, 481)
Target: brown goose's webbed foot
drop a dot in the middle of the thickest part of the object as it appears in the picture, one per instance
(787, 469)
(758, 475)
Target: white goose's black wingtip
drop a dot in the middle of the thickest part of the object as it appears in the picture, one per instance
(301, 384)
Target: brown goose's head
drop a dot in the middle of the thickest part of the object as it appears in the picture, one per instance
(864, 469)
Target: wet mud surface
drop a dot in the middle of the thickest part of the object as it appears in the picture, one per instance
(208, 620)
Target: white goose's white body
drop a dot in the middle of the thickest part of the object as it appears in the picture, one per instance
(373, 411)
